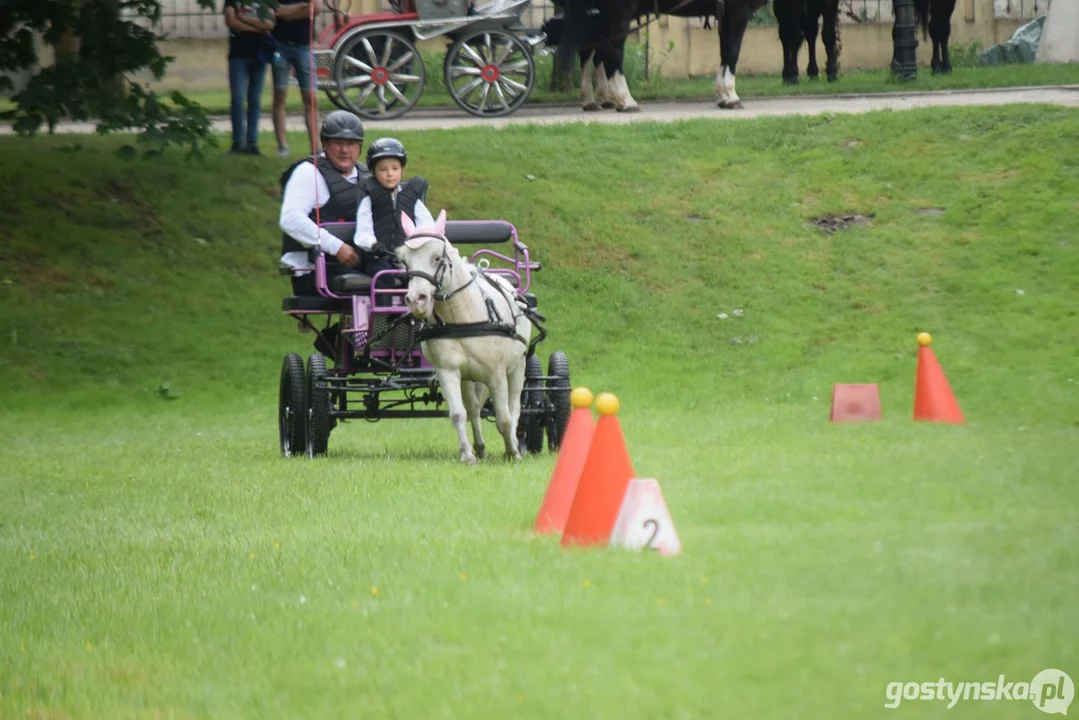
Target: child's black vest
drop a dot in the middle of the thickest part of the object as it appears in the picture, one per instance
(344, 200)
(385, 217)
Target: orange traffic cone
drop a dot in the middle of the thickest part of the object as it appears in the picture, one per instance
(567, 468)
(604, 479)
(933, 398)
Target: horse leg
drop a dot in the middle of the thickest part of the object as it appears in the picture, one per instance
(588, 100)
(940, 27)
(732, 28)
(830, 36)
(450, 382)
(603, 89)
(515, 378)
(475, 394)
(790, 18)
(503, 421)
(623, 101)
(812, 29)
(894, 65)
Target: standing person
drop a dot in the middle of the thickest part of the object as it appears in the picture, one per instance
(293, 36)
(247, 71)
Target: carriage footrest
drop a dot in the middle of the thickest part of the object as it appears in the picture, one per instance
(311, 303)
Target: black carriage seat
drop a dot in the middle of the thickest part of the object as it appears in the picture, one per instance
(467, 232)
(478, 232)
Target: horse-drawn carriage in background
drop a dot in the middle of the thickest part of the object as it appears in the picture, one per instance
(371, 368)
(369, 64)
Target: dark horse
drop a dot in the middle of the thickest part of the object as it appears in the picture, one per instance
(798, 20)
(935, 17)
(597, 30)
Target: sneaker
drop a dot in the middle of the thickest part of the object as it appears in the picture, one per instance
(282, 151)
(237, 150)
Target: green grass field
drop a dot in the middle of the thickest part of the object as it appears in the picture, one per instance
(159, 559)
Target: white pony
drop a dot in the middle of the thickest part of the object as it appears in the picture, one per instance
(477, 333)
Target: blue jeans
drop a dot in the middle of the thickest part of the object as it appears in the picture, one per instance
(246, 79)
(293, 57)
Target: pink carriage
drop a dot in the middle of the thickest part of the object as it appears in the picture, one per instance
(369, 64)
(371, 367)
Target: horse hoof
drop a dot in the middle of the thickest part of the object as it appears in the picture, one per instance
(481, 451)
(590, 107)
(629, 108)
(833, 77)
(468, 459)
(608, 105)
(729, 105)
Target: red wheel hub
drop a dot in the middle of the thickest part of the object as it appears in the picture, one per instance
(380, 76)
(490, 73)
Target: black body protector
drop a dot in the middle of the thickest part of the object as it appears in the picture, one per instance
(344, 201)
(385, 217)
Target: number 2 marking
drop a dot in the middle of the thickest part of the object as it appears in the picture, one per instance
(655, 531)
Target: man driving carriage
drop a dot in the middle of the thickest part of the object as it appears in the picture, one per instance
(321, 189)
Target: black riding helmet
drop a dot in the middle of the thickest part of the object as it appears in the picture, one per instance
(384, 148)
(341, 125)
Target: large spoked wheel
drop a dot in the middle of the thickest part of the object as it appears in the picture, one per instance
(489, 73)
(292, 407)
(335, 97)
(318, 406)
(558, 392)
(379, 74)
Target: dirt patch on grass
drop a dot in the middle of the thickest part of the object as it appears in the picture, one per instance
(832, 223)
(118, 193)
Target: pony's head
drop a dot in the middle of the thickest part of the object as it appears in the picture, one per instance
(427, 256)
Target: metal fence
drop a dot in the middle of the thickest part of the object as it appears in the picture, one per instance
(184, 19)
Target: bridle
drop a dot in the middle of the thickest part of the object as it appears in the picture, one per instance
(444, 264)
(493, 325)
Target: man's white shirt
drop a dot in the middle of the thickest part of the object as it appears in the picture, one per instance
(298, 200)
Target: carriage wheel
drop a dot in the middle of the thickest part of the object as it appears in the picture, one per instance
(318, 406)
(379, 74)
(292, 406)
(489, 73)
(530, 426)
(336, 98)
(558, 391)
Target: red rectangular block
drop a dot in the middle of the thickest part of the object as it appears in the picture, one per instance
(855, 403)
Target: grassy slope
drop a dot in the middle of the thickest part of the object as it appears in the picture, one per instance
(157, 556)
